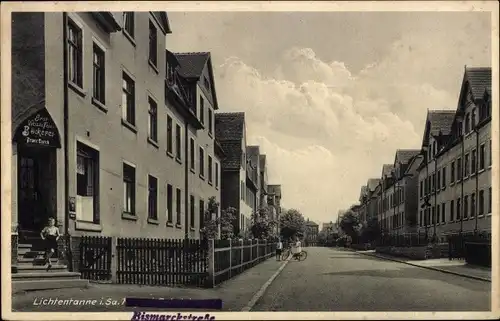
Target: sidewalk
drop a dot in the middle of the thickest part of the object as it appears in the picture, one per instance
(234, 293)
(457, 267)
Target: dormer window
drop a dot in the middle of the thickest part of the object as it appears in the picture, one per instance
(170, 73)
(206, 83)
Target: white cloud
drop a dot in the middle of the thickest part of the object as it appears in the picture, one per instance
(345, 126)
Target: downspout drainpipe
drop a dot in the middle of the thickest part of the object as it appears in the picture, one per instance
(436, 213)
(66, 143)
(186, 181)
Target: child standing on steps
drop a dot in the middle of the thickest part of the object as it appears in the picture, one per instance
(50, 234)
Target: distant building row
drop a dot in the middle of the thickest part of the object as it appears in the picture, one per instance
(445, 186)
(133, 145)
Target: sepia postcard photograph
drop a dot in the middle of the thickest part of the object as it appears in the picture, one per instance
(250, 160)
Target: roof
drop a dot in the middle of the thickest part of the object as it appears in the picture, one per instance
(372, 183)
(404, 155)
(232, 152)
(253, 150)
(440, 121)
(311, 223)
(163, 19)
(479, 79)
(387, 169)
(192, 63)
(229, 126)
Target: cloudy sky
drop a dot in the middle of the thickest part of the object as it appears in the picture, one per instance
(330, 96)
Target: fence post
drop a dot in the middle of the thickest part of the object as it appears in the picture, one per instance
(114, 259)
(230, 257)
(242, 250)
(211, 264)
(251, 250)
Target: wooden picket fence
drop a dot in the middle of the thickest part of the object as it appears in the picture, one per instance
(167, 262)
(231, 257)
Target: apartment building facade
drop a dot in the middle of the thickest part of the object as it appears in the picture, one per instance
(263, 181)
(124, 170)
(274, 197)
(311, 233)
(373, 185)
(230, 131)
(203, 152)
(455, 183)
(384, 211)
(253, 178)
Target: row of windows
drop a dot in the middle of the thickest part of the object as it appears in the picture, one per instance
(75, 70)
(87, 171)
(437, 214)
(393, 199)
(471, 164)
(396, 221)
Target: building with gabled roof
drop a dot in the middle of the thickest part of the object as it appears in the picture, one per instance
(230, 131)
(455, 175)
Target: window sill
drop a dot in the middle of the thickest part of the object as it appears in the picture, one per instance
(217, 187)
(192, 170)
(211, 183)
(169, 154)
(153, 66)
(451, 184)
(129, 37)
(153, 221)
(192, 229)
(129, 216)
(170, 224)
(489, 214)
(153, 142)
(129, 126)
(88, 226)
(178, 160)
(202, 177)
(481, 171)
(79, 90)
(99, 105)
(210, 135)
(178, 225)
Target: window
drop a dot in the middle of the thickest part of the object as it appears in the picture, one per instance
(202, 213)
(433, 183)
(210, 169)
(75, 53)
(170, 138)
(466, 206)
(178, 200)
(178, 148)
(128, 189)
(153, 44)
(242, 190)
(438, 186)
(443, 212)
(202, 110)
(481, 203)
(153, 120)
(170, 202)
(481, 156)
(421, 189)
(128, 23)
(473, 205)
(210, 122)
(152, 197)
(87, 184)
(191, 211)
(191, 154)
(452, 210)
(433, 215)
(128, 99)
(459, 169)
(459, 209)
(466, 165)
(202, 162)
(443, 183)
(467, 123)
(489, 200)
(489, 155)
(420, 222)
(473, 162)
(216, 174)
(452, 178)
(99, 87)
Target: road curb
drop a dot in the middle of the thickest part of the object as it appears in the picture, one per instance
(263, 289)
(427, 267)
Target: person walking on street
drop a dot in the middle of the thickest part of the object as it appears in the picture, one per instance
(279, 249)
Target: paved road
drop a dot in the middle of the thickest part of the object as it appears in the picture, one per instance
(341, 280)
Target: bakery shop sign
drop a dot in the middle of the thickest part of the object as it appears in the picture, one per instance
(38, 130)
